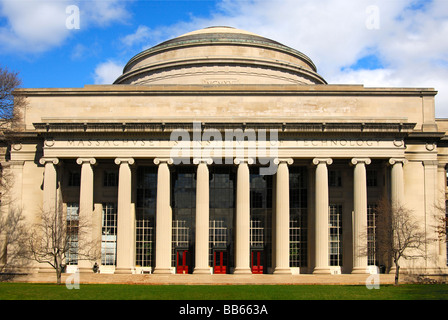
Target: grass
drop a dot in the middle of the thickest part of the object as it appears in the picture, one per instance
(26, 291)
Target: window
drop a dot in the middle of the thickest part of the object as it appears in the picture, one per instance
(334, 178)
(371, 234)
(183, 200)
(335, 234)
(145, 216)
(372, 180)
(222, 210)
(261, 212)
(74, 178)
(110, 179)
(298, 230)
(71, 257)
(109, 234)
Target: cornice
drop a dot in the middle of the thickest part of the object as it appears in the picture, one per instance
(231, 89)
(305, 127)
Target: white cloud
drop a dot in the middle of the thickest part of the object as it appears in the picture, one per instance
(39, 25)
(33, 25)
(107, 72)
(142, 34)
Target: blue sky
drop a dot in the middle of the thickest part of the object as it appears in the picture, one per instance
(380, 43)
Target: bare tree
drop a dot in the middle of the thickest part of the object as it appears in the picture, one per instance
(398, 235)
(13, 236)
(11, 106)
(54, 240)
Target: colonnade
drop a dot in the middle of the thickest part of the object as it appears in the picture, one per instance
(125, 229)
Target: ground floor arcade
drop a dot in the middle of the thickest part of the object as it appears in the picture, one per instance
(314, 215)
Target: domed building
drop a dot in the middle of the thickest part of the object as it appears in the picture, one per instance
(222, 151)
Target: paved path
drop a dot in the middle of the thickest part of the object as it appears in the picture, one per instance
(228, 279)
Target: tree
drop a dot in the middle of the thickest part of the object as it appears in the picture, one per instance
(399, 235)
(13, 230)
(54, 240)
(13, 236)
(10, 106)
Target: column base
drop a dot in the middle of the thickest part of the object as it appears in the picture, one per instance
(282, 271)
(201, 271)
(322, 270)
(360, 270)
(123, 270)
(162, 271)
(242, 271)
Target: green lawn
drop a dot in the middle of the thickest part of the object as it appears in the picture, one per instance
(23, 291)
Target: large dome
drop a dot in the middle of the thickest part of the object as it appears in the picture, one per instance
(220, 56)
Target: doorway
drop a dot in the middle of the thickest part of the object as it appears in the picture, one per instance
(257, 261)
(220, 262)
(182, 261)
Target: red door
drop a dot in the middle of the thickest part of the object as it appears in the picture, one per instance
(257, 262)
(182, 261)
(220, 262)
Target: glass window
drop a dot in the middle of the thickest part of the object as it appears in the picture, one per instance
(334, 178)
(335, 234)
(222, 209)
(372, 180)
(109, 234)
(71, 257)
(183, 204)
(298, 230)
(145, 216)
(261, 211)
(74, 178)
(110, 179)
(371, 234)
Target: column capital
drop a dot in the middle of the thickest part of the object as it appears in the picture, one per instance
(243, 160)
(129, 161)
(45, 160)
(393, 161)
(92, 161)
(163, 160)
(284, 160)
(366, 161)
(202, 160)
(317, 161)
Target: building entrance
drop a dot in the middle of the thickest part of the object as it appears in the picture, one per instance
(182, 261)
(220, 262)
(257, 261)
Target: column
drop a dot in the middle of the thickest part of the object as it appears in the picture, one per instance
(242, 245)
(49, 201)
(321, 216)
(360, 215)
(282, 217)
(202, 217)
(85, 214)
(397, 181)
(50, 184)
(125, 220)
(164, 219)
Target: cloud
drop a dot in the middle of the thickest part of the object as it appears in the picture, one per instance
(406, 38)
(107, 72)
(142, 34)
(32, 26)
